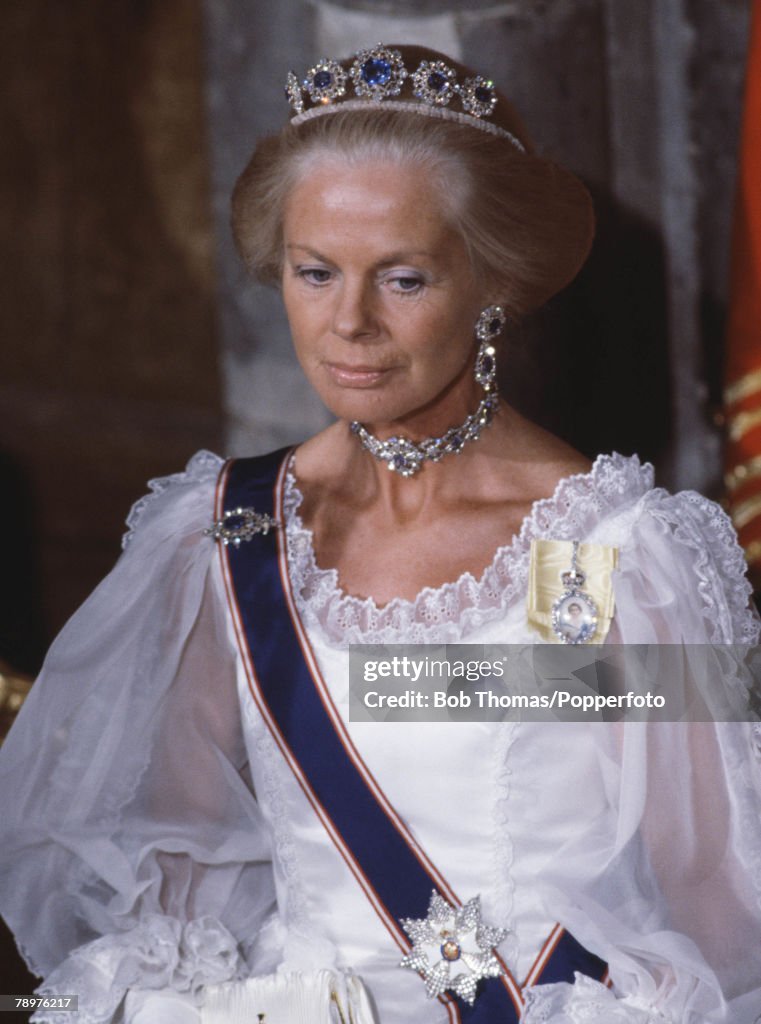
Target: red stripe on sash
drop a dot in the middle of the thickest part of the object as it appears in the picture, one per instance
(513, 988)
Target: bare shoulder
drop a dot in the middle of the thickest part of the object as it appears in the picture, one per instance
(514, 465)
(329, 470)
(539, 460)
(322, 455)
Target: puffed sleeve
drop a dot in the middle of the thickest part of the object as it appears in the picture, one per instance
(681, 575)
(666, 883)
(133, 855)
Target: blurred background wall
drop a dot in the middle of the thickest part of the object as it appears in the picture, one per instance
(109, 353)
(108, 362)
(642, 99)
(130, 337)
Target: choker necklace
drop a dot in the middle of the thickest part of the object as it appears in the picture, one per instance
(407, 457)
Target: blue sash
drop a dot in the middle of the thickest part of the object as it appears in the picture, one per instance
(394, 872)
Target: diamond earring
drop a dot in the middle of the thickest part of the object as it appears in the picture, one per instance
(490, 324)
(407, 457)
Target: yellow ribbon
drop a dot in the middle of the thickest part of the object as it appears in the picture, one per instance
(550, 558)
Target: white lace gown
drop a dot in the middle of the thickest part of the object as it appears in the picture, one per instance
(154, 842)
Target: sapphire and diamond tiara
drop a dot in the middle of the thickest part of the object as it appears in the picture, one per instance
(379, 74)
(435, 82)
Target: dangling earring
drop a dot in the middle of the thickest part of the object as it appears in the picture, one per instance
(407, 457)
(490, 324)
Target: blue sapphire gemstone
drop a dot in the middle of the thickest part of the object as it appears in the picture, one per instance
(495, 326)
(483, 94)
(322, 80)
(436, 81)
(376, 71)
(400, 462)
(487, 365)
(456, 442)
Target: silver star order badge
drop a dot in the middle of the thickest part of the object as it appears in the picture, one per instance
(452, 948)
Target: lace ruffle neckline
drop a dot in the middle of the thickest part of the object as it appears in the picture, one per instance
(449, 613)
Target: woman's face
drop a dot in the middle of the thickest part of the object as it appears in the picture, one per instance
(379, 294)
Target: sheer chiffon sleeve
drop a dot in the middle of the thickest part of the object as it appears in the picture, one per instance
(132, 850)
(682, 576)
(666, 883)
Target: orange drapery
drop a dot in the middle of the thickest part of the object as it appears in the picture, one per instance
(742, 390)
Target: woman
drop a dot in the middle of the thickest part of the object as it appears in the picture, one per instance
(194, 821)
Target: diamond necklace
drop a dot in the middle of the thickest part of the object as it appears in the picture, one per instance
(407, 457)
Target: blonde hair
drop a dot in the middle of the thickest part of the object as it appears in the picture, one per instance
(527, 223)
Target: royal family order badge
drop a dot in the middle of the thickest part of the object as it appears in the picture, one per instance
(574, 614)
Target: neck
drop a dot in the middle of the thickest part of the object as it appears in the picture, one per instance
(406, 456)
(449, 479)
(443, 430)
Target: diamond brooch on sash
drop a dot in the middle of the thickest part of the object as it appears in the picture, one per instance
(452, 948)
(574, 614)
(239, 524)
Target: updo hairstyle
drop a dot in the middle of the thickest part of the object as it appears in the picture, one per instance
(526, 222)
